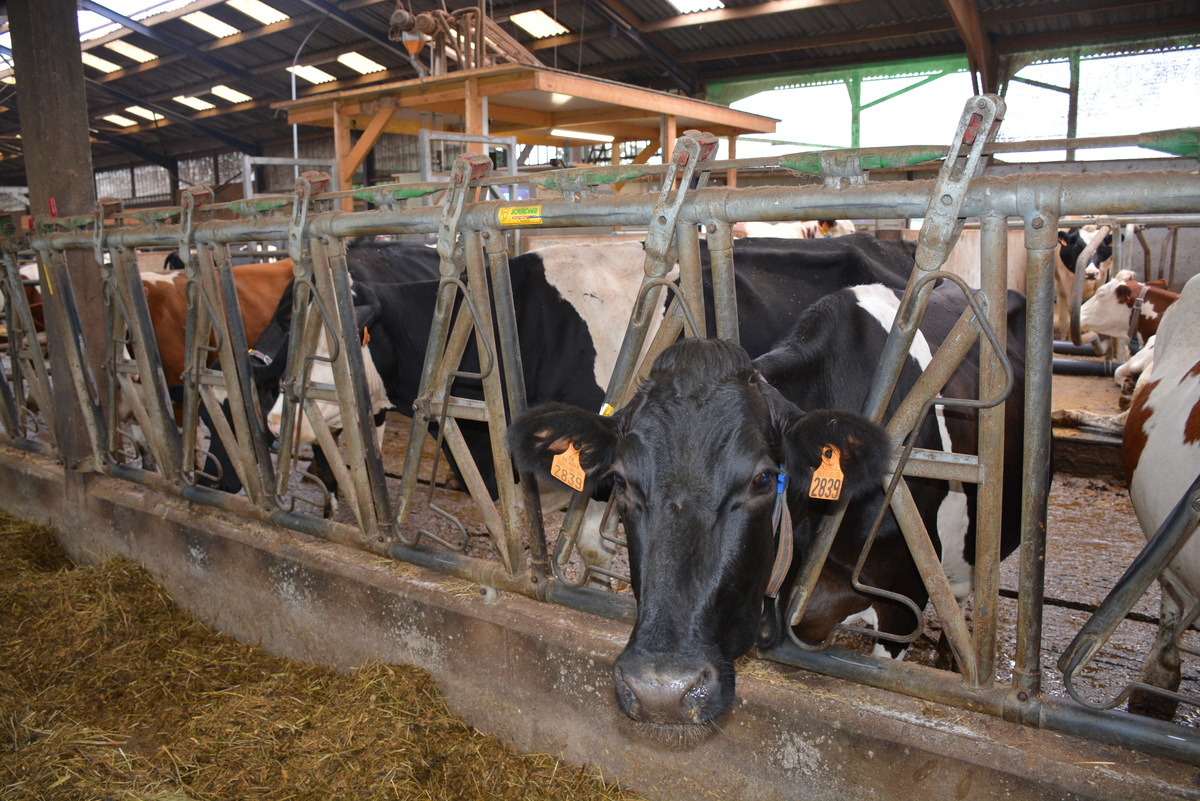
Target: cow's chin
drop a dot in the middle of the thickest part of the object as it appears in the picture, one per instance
(673, 736)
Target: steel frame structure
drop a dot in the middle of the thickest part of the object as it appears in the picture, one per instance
(472, 241)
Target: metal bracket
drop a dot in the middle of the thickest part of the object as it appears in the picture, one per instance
(838, 168)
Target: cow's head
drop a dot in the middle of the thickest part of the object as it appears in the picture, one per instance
(367, 312)
(1072, 243)
(694, 460)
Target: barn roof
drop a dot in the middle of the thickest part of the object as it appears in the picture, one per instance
(646, 44)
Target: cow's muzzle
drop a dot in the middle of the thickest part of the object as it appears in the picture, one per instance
(672, 693)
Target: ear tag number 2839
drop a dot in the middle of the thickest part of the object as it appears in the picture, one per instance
(827, 479)
(566, 468)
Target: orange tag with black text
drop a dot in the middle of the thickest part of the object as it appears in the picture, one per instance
(827, 479)
(566, 468)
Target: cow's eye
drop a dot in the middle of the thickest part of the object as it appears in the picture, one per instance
(763, 481)
(619, 484)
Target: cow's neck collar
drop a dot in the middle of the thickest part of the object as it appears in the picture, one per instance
(781, 528)
(1135, 313)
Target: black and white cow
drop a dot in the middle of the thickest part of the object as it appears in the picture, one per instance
(1072, 243)
(366, 259)
(573, 303)
(698, 456)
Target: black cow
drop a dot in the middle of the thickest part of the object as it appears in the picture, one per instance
(696, 459)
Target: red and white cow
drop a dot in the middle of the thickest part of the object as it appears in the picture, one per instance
(1125, 306)
(803, 229)
(1162, 459)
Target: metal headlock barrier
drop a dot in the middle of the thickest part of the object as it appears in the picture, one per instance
(133, 419)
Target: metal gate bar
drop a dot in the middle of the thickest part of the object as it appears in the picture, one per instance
(1038, 200)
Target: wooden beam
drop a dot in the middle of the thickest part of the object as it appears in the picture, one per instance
(341, 153)
(980, 54)
(365, 142)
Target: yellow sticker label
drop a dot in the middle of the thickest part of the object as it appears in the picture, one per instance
(566, 468)
(827, 479)
(606, 410)
(521, 215)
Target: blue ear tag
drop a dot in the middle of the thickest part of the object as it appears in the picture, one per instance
(781, 481)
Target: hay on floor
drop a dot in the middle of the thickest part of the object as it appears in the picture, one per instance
(107, 691)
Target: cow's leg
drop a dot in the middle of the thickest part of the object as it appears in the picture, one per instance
(1062, 304)
(1162, 667)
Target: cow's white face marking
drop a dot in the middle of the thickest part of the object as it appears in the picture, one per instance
(952, 518)
(322, 373)
(601, 283)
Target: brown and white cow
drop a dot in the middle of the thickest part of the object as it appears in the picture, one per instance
(1162, 459)
(1126, 306)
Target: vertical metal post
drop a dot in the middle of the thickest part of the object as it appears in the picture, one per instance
(1041, 244)
(989, 506)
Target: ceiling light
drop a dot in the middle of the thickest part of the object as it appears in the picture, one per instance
(591, 137)
(538, 24)
(131, 51)
(360, 63)
(258, 10)
(117, 119)
(691, 6)
(231, 94)
(99, 63)
(312, 74)
(210, 24)
(9, 79)
(144, 113)
(193, 102)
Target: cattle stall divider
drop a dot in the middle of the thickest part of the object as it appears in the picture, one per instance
(472, 241)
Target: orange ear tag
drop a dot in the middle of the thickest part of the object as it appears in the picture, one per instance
(827, 479)
(566, 468)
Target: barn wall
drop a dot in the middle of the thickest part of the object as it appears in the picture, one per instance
(539, 676)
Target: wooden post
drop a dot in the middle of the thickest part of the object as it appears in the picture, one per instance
(474, 116)
(341, 154)
(668, 136)
(731, 174)
(58, 168)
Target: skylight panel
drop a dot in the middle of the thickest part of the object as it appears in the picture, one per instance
(312, 74)
(144, 113)
(194, 102)
(230, 94)
(538, 24)
(360, 63)
(131, 51)
(258, 10)
(117, 119)
(692, 6)
(210, 24)
(95, 62)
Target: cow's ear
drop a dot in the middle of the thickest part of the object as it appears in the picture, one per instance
(539, 434)
(864, 449)
(1124, 293)
(367, 306)
(1062, 238)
